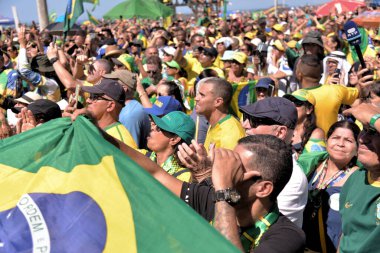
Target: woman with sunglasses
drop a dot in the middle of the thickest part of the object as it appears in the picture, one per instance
(307, 136)
(166, 135)
(322, 222)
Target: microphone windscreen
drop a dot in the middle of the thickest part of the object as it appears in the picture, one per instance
(352, 33)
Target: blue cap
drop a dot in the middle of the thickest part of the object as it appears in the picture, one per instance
(264, 83)
(164, 105)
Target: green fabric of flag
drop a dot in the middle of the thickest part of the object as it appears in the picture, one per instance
(66, 189)
(94, 2)
(92, 19)
(73, 11)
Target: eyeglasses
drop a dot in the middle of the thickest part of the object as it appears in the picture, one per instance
(298, 103)
(95, 97)
(256, 122)
(32, 46)
(151, 72)
(91, 69)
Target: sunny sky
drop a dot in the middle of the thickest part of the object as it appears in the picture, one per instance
(27, 10)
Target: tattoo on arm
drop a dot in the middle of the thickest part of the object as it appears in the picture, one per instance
(225, 223)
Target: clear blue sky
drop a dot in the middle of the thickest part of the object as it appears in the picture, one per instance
(27, 9)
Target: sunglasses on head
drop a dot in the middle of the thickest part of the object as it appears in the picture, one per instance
(256, 122)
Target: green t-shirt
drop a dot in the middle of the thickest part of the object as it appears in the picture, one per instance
(360, 211)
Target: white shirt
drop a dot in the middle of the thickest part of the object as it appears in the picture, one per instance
(293, 198)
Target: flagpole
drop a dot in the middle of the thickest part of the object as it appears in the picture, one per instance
(65, 33)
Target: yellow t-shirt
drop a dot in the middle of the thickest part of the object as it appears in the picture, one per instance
(225, 133)
(328, 99)
(118, 131)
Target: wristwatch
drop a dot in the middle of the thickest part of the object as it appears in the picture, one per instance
(231, 196)
(53, 60)
(374, 119)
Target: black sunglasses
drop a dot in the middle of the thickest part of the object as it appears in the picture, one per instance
(256, 122)
(151, 72)
(94, 97)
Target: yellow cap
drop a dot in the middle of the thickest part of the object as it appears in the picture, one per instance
(377, 37)
(250, 35)
(240, 57)
(278, 28)
(278, 45)
(297, 36)
(292, 43)
(321, 27)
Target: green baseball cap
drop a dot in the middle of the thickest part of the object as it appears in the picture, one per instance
(178, 123)
(173, 64)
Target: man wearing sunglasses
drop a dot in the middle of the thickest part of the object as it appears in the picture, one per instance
(104, 105)
(278, 116)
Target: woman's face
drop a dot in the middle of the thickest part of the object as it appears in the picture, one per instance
(157, 139)
(162, 90)
(342, 146)
(353, 78)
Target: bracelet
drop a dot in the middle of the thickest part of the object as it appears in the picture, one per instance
(374, 119)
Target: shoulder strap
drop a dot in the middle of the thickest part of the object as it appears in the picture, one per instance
(180, 172)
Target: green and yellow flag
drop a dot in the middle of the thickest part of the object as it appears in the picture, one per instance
(94, 2)
(92, 19)
(65, 189)
(73, 10)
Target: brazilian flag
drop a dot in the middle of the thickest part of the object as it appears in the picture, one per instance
(243, 94)
(73, 10)
(65, 189)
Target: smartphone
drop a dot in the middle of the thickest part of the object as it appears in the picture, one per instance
(337, 73)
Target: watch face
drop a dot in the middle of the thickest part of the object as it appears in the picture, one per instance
(235, 196)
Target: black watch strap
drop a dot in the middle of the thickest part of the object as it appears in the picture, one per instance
(53, 60)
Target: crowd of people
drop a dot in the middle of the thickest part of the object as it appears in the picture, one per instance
(268, 127)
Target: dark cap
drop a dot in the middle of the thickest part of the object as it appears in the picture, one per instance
(277, 109)
(125, 76)
(264, 83)
(41, 63)
(209, 51)
(108, 87)
(313, 37)
(45, 109)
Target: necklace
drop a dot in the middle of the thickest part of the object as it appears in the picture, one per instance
(322, 184)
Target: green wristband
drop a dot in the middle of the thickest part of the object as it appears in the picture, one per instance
(374, 119)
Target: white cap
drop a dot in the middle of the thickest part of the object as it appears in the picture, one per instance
(228, 55)
(169, 50)
(256, 41)
(227, 41)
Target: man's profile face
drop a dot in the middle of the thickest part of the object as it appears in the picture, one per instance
(205, 99)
